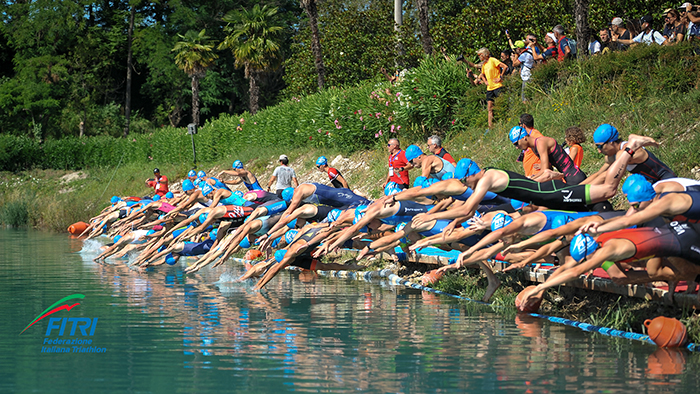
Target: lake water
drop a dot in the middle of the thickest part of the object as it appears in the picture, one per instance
(163, 331)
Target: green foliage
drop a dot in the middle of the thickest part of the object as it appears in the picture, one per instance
(15, 213)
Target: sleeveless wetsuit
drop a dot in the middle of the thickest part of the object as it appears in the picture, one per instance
(446, 167)
(267, 223)
(165, 207)
(252, 186)
(688, 184)
(333, 175)
(274, 207)
(196, 248)
(652, 168)
(562, 162)
(235, 200)
(676, 239)
(337, 198)
(321, 213)
(218, 184)
(407, 210)
(550, 194)
(693, 213)
(261, 196)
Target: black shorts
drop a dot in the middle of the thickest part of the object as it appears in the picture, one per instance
(492, 94)
(304, 261)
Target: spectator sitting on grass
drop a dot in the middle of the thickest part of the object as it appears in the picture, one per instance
(619, 33)
(674, 29)
(573, 138)
(647, 36)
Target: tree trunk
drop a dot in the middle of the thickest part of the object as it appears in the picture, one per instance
(195, 99)
(253, 91)
(309, 7)
(582, 28)
(423, 16)
(127, 104)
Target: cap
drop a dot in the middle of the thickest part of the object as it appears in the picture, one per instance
(321, 161)
(191, 174)
(279, 255)
(582, 246)
(517, 204)
(156, 170)
(201, 174)
(115, 199)
(389, 186)
(413, 151)
(238, 193)
(117, 238)
(187, 185)
(646, 18)
(170, 259)
(359, 213)
(429, 182)
(333, 215)
(517, 133)
(287, 194)
(245, 243)
(500, 220)
(552, 36)
(605, 133)
(155, 198)
(289, 236)
(203, 217)
(638, 189)
(685, 5)
(284, 157)
(169, 195)
(617, 21)
(237, 164)
(213, 233)
(448, 175)
(519, 44)
(418, 181)
(465, 168)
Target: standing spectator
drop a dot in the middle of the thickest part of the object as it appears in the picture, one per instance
(674, 30)
(523, 58)
(550, 52)
(605, 41)
(531, 163)
(564, 50)
(435, 146)
(284, 176)
(693, 16)
(573, 138)
(506, 59)
(647, 36)
(531, 42)
(398, 165)
(594, 46)
(336, 178)
(491, 75)
(619, 33)
(159, 183)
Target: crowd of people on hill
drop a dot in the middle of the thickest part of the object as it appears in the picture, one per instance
(552, 212)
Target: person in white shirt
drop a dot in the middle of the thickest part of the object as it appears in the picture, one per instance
(647, 36)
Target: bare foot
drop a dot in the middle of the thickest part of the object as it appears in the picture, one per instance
(492, 287)
(635, 141)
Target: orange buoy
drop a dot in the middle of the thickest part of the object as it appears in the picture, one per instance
(431, 277)
(253, 254)
(77, 228)
(531, 308)
(666, 331)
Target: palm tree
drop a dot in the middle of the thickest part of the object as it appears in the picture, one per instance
(194, 55)
(309, 7)
(254, 40)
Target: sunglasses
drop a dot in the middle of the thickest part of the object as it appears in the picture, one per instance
(600, 146)
(411, 161)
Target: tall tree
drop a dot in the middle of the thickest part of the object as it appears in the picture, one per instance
(129, 67)
(309, 7)
(194, 55)
(583, 32)
(254, 37)
(424, 18)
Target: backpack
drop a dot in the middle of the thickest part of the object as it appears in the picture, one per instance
(572, 46)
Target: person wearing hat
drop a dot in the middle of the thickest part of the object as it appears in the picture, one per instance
(691, 16)
(647, 36)
(159, 183)
(619, 33)
(523, 58)
(283, 176)
(336, 178)
(248, 178)
(550, 52)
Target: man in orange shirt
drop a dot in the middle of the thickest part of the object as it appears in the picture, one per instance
(491, 72)
(530, 159)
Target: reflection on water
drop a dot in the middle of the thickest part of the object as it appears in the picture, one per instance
(166, 331)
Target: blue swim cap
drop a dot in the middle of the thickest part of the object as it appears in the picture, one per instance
(155, 198)
(191, 174)
(276, 242)
(292, 224)
(582, 246)
(465, 168)
(237, 164)
(201, 174)
(197, 182)
(393, 191)
(169, 195)
(389, 186)
(561, 220)
(321, 161)
(500, 220)
(245, 243)
(214, 233)
(429, 182)
(359, 213)
(516, 204)
(448, 175)
(419, 181)
(203, 217)
(333, 215)
(115, 199)
(400, 227)
(279, 255)
(170, 259)
(206, 188)
(638, 189)
(238, 193)
(287, 194)
(412, 152)
(117, 238)
(605, 133)
(187, 185)
(151, 232)
(517, 133)
(289, 236)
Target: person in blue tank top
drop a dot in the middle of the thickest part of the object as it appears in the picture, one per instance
(431, 166)
(248, 178)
